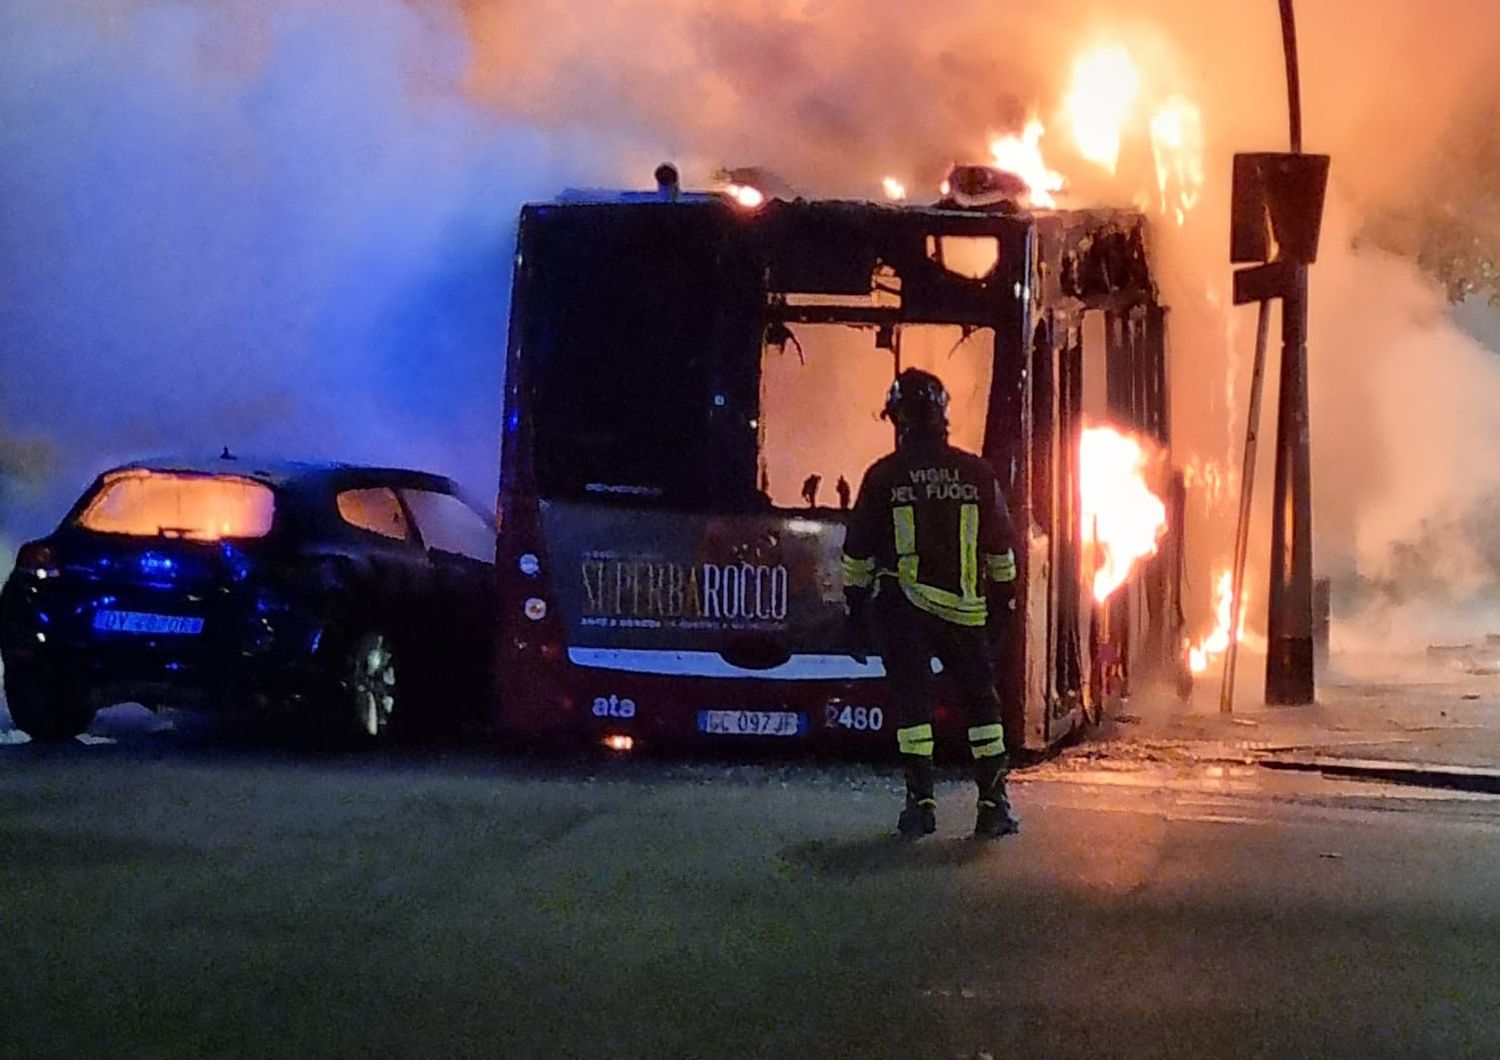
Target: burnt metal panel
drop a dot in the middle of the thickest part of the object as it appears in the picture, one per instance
(835, 248)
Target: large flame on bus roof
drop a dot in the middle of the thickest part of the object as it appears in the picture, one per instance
(1107, 97)
(1123, 521)
(1101, 100)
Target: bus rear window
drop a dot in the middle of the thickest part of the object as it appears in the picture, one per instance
(621, 351)
(821, 400)
(197, 507)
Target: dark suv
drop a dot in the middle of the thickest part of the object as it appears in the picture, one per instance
(359, 598)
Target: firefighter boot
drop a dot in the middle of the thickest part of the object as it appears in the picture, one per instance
(994, 818)
(919, 815)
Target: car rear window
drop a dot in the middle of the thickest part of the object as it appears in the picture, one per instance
(197, 507)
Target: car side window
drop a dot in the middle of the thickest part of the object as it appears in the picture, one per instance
(449, 525)
(377, 510)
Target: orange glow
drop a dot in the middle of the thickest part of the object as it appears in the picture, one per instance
(1208, 479)
(1208, 649)
(1104, 86)
(1177, 148)
(1123, 521)
(619, 742)
(197, 507)
(1022, 156)
(745, 195)
(894, 189)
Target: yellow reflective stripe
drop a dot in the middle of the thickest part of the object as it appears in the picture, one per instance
(947, 606)
(987, 741)
(858, 573)
(915, 740)
(906, 529)
(906, 543)
(1002, 567)
(968, 551)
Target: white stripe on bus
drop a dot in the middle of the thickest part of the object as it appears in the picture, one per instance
(712, 664)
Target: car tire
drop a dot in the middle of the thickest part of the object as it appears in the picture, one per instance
(49, 709)
(371, 706)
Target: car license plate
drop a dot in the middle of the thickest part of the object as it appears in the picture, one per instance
(749, 722)
(145, 622)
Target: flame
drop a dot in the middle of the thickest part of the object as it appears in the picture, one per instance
(1022, 155)
(1177, 148)
(1104, 86)
(894, 189)
(1123, 521)
(1208, 480)
(745, 195)
(1208, 649)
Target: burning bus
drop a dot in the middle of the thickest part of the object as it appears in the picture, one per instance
(692, 392)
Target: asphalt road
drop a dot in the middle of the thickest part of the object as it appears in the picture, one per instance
(193, 896)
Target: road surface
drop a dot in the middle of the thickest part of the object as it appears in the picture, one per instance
(185, 896)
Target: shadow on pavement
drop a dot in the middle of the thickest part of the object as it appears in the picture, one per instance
(854, 858)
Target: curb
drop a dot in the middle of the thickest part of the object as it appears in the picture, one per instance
(1416, 774)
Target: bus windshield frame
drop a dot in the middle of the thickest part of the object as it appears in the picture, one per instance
(641, 335)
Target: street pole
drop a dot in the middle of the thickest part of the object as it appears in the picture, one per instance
(1289, 651)
(1293, 73)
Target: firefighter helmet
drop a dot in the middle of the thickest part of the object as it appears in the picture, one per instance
(917, 401)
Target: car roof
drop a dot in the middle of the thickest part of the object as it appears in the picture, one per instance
(277, 471)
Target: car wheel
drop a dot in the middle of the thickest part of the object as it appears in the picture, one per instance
(46, 708)
(374, 700)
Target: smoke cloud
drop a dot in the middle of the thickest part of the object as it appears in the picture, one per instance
(833, 94)
(286, 225)
(278, 227)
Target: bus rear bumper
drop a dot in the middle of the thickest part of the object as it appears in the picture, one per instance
(836, 715)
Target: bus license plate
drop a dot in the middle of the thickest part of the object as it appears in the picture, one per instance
(749, 722)
(145, 622)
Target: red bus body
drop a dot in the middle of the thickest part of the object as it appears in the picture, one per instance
(667, 572)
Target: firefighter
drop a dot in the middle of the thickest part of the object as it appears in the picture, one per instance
(928, 560)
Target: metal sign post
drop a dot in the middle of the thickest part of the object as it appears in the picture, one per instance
(1277, 219)
(1247, 493)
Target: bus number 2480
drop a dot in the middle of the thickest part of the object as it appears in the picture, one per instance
(865, 719)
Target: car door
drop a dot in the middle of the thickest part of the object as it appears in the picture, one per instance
(460, 543)
(399, 577)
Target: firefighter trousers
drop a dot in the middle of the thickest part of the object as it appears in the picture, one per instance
(908, 639)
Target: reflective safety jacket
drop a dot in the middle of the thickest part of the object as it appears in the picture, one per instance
(932, 519)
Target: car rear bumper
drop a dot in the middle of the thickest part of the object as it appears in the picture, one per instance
(228, 685)
(233, 666)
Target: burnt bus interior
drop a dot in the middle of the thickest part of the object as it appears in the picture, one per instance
(1098, 356)
(766, 340)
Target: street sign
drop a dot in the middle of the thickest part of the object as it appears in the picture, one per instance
(1277, 209)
